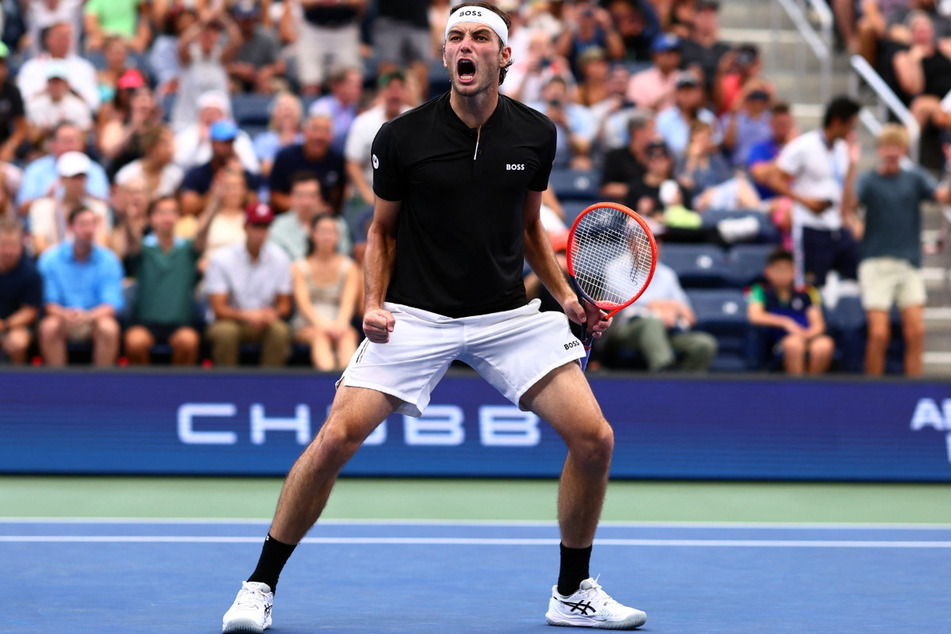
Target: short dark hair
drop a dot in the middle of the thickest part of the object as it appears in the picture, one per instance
(842, 109)
(780, 107)
(313, 225)
(304, 176)
(75, 213)
(505, 18)
(779, 254)
(153, 205)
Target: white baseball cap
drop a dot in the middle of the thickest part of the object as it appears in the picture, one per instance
(73, 164)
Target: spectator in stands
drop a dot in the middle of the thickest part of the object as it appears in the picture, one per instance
(284, 129)
(164, 268)
(313, 154)
(527, 79)
(924, 70)
(82, 290)
(814, 170)
(593, 72)
(654, 88)
(117, 109)
(161, 176)
(257, 64)
(704, 170)
(10, 176)
(402, 39)
(612, 113)
(328, 41)
(659, 327)
(13, 127)
(643, 194)
(21, 292)
(341, 104)
(115, 56)
(32, 77)
(588, 26)
(761, 162)
(703, 49)
(637, 24)
(899, 20)
(41, 16)
(49, 216)
(790, 316)
(628, 164)
(291, 230)
(674, 123)
(202, 56)
(573, 123)
(193, 143)
(40, 178)
(130, 205)
(746, 124)
(169, 23)
(120, 140)
(198, 180)
(891, 249)
(249, 289)
(326, 291)
(54, 105)
(226, 209)
(103, 19)
(741, 73)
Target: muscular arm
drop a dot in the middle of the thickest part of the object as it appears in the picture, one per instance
(379, 261)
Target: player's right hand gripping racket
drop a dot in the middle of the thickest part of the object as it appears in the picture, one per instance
(611, 259)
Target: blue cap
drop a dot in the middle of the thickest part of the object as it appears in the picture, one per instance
(224, 130)
(664, 42)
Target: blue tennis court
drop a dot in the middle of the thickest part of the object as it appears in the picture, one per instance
(382, 576)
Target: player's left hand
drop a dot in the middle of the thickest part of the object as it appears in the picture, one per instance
(589, 316)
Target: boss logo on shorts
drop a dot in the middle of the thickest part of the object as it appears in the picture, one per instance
(572, 344)
(515, 167)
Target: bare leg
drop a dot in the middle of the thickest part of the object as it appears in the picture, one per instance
(913, 330)
(138, 342)
(794, 354)
(52, 335)
(821, 350)
(879, 333)
(185, 343)
(105, 341)
(354, 414)
(564, 399)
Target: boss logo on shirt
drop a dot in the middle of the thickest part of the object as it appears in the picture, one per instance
(515, 167)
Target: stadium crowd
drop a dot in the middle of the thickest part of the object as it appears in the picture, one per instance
(184, 177)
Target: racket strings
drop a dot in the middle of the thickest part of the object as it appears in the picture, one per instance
(611, 256)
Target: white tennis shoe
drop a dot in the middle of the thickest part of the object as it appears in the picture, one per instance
(251, 611)
(591, 606)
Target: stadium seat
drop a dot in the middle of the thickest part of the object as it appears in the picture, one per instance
(250, 109)
(722, 313)
(846, 323)
(697, 265)
(746, 263)
(573, 209)
(571, 184)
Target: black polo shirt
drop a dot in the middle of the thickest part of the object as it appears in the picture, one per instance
(460, 236)
(19, 287)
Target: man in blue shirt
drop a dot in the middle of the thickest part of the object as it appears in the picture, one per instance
(21, 293)
(314, 154)
(83, 294)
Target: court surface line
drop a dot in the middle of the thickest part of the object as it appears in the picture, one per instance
(487, 523)
(479, 541)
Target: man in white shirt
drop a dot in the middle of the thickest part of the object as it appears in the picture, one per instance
(193, 142)
(31, 78)
(46, 109)
(815, 170)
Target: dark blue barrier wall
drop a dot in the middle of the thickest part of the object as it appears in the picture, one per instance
(256, 424)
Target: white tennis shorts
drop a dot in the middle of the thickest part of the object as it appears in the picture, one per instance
(512, 350)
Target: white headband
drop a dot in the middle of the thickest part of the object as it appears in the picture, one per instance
(483, 16)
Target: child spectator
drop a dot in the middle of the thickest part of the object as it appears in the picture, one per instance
(790, 316)
(82, 289)
(891, 250)
(21, 292)
(326, 291)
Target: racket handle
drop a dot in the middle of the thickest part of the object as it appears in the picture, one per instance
(587, 339)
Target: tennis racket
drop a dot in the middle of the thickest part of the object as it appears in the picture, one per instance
(611, 260)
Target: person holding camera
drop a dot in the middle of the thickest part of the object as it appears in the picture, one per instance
(573, 123)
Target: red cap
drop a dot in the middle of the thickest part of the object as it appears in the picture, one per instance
(259, 214)
(130, 79)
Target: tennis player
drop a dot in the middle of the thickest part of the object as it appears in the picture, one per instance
(458, 184)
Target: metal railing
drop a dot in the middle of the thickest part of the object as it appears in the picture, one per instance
(818, 40)
(887, 102)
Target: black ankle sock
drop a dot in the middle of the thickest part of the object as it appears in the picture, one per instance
(574, 569)
(274, 555)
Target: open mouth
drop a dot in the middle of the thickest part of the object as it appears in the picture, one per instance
(465, 69)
